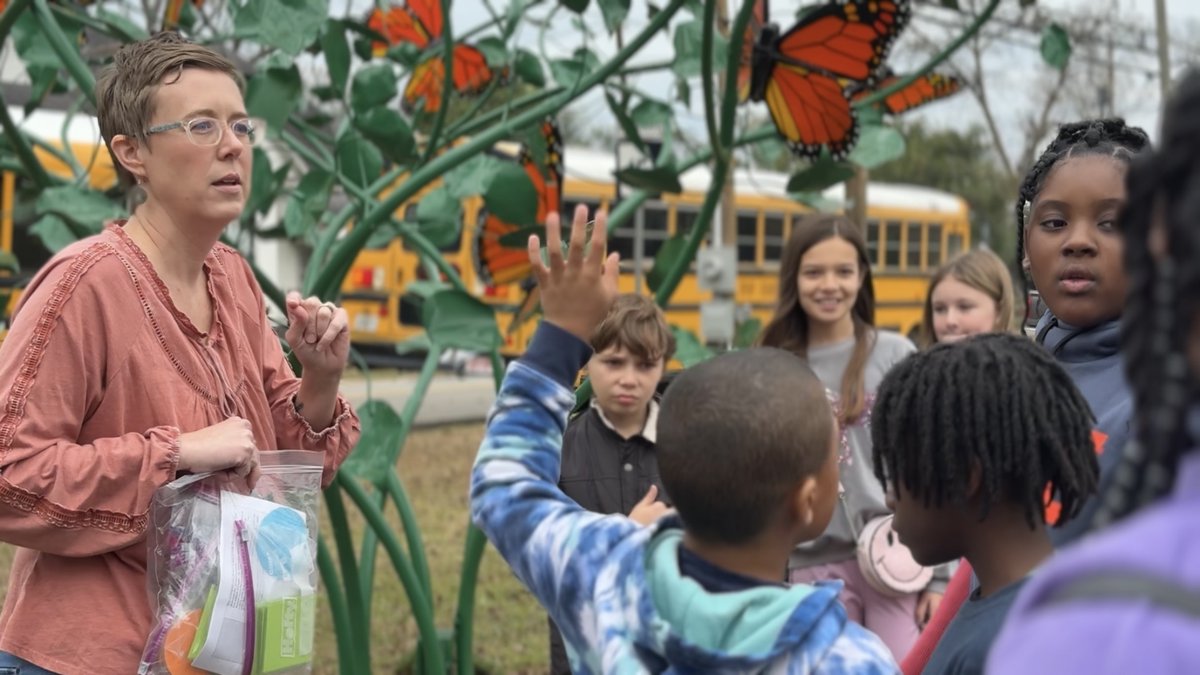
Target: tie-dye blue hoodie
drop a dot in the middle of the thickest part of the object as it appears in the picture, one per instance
(615, 588)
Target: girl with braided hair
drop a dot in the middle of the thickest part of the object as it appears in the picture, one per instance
(1127, 599)
(965, 464)
(1069, 246)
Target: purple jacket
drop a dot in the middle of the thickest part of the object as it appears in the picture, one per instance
(1097, 636)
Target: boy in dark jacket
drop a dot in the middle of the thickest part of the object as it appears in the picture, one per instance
(608, 460)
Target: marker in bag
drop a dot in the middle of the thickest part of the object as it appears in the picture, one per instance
(251, 613)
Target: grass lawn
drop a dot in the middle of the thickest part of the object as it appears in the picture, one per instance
(510, 628)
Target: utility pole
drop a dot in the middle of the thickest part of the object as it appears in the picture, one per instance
(1164, 47)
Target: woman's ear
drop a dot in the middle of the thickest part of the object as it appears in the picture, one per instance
(128, 152)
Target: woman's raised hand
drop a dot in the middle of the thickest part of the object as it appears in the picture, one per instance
(319, 334)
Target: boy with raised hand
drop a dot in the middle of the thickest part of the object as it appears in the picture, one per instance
(747, 451)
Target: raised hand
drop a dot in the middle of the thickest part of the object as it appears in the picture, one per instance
(319, 334)
(578, 291)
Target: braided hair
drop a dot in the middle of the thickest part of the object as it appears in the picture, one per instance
(939, 412)
(1110, 137)
(1161, 225)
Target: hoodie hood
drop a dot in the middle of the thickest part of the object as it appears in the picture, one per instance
(738, 629)
(1069, 344)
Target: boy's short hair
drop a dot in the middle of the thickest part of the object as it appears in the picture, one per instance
(126, 88)
(997, 401)
(638, 325)
(736, 435)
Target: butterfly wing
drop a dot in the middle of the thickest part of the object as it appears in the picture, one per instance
(425, 85)
(399, 26)
(758, 19)
(811, 111)
(496, 263)
(845, 40)
(925, 89)
(471, 70)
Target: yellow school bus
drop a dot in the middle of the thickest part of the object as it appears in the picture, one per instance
(910, 231)
(21, 253)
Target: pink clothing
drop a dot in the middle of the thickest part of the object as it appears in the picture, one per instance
(99, 376)
(894, 620)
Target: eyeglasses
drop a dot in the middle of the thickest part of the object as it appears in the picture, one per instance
(207, 131)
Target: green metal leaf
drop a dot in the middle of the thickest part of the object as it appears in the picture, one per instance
(614, 12)
(337, 54)
(371, 87)
(379, 445)
(672, 249)
(309, 200)
(54, 233)
(820, 175)
(688, 38)
(262, 184)
(273, 94)
(650, 113)
(1056, 46)
(122, 27)
(406, 54)
(455, 320)
(87, 209)
(566, 72)
(529, 68)
(746, 333)
(577, 6)
(41, 63)
(439, 216)
(688, 349)
(9, 262)
(657, 180)
(473, 176)
(494, 50)
(516, 12)
(389, 130)
(953, 4)
(683, 92)
(877, 145)
(631, 131)
(511, 197)
(287, 25)
(382, 236)
(358, 159)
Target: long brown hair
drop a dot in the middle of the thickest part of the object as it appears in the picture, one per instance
(985, 272)
(788, 329)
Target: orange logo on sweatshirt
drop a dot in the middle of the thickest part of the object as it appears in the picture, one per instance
(1053, 506)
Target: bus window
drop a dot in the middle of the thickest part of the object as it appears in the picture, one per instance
(654, 229)
(568, 211)
(772, 237)
(873, 241)
(891, 233)
(914, 246)
(685, 218)
(954, 244)
(747, 237)
(935, 245)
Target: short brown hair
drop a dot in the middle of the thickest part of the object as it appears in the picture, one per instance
(985, 272)
(638, 325)
(125, 90)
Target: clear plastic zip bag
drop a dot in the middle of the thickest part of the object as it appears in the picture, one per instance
(232, 576)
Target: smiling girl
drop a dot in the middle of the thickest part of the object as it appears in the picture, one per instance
(970, 294)
(826, 314)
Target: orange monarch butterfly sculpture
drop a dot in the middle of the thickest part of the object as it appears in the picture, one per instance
(419, 22)
(925, 89)
(806, 75)
(498, 264)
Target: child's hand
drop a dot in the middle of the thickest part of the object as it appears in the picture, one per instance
(648, 510)
(577, 292)
(927, 606)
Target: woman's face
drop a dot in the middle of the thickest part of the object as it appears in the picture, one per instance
(829, 281)
(960, 310)
(195, 183)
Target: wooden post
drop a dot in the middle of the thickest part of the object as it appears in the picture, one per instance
(856, 197)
